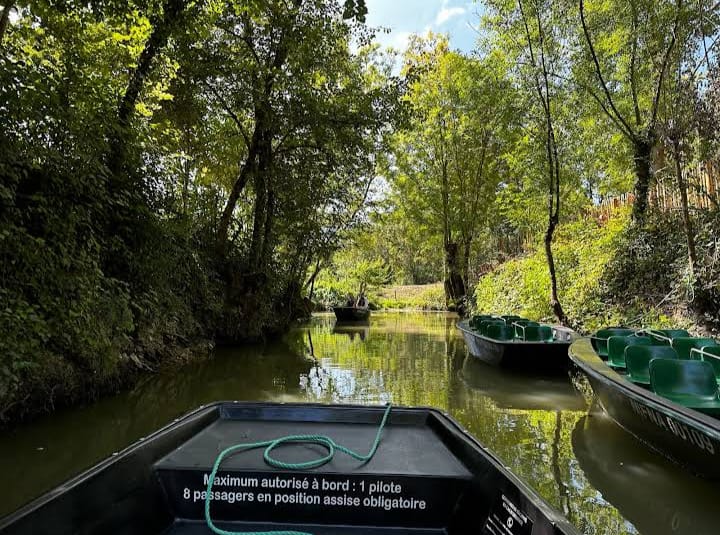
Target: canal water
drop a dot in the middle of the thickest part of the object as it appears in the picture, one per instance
(602, 479)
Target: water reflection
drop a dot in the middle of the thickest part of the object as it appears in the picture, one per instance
(604, 481)
(352, 330)
(655, 495)
(512, 390)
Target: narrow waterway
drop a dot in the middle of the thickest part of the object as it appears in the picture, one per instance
(602, 479)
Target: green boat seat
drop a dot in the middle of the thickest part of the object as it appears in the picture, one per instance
(666, 335)
(684, 344)
(487, 323)
(617, 345)
(599, 341)
(709, 354)
(521, 324)
(475, 320)
(638, 357)
(500, 332)
(509, 319)
(690, 383)
(538, 333)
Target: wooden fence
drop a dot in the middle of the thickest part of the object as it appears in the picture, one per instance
(703, 182)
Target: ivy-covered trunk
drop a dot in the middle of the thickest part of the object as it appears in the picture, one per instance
(454, 285)
(643, 177)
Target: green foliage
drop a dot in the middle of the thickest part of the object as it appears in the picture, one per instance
(349, 274)
(611, 273)
(450, 158)
(126, 128)
(583, 250)
(425, 297)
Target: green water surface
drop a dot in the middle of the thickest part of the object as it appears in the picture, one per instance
(602, 479)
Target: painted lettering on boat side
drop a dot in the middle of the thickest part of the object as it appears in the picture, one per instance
(506, 518)
(678, 429)
(283, 490)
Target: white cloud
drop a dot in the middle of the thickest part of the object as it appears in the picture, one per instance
(446, 13)
(399, 40)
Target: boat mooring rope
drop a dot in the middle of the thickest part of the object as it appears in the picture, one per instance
(326, 442)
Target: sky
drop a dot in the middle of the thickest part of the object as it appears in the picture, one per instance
(405, 17)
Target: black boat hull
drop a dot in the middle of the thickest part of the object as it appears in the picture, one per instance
(548, 357)
(351, 314)
(134, 491)
(687, 437)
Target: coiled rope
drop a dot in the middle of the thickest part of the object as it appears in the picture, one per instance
(326, 442)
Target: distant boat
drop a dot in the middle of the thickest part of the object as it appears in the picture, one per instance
(352, 313)
(660, 387)
(397, 470)
(515, 342)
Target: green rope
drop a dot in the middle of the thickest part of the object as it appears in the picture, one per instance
(329, 444)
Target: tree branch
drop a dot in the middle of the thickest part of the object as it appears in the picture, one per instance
(626, 129)
(230, 113)
(663, 69)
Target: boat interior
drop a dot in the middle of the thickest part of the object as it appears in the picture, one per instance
(513, 328)
(426, 476)
(669, 362)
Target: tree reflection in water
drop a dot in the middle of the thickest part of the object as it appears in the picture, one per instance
(603, 480)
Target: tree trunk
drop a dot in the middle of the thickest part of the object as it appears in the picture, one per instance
(687, 222)
(172, 9)
(258, 219)
(643, 177)
(454, 286)
(5, 18)
(466, 263)
(248, 170)
(554, 301)
(265, 250)
(311, 280)
(264, 199)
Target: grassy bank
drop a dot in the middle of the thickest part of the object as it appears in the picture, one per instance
(414, 297)
(610, 273)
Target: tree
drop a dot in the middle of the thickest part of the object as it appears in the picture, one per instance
(625, 75)
(540, 44)
(539, 56)
(140, 139)
(449, 160)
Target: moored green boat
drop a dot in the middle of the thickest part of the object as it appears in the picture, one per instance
(514, 342)
(661, 386)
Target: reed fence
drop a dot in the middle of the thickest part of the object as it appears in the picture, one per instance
(703, 185)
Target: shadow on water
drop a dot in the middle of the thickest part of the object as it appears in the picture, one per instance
(652, 493)
(512, 390)
(38, 456)
(603, 480)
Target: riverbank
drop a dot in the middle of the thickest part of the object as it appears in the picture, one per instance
(610, 273)
(54, 384)
(410, 297)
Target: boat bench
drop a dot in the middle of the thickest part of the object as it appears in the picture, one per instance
(413, 484)
(690, 383)
(638, 358)
(600, 340)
